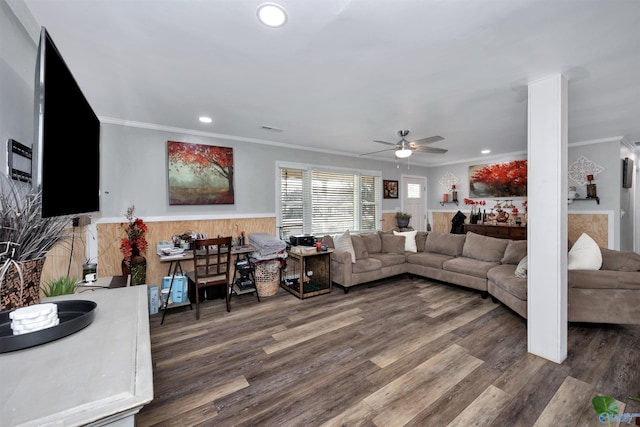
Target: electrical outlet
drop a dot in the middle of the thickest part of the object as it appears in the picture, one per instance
(81, 220)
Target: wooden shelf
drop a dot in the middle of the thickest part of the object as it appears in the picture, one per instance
(442, 203)
(594, 199)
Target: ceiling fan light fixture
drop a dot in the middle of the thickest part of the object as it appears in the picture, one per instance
(272, 15)
(403, 153)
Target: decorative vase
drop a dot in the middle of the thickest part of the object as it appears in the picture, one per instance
(136, 267)
(402, 222)
(16, 293)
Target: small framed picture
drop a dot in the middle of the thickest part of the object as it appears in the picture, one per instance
(389, 189)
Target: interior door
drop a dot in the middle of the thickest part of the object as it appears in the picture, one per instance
(414, 200)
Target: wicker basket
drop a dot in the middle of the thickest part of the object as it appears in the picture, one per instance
(268, 278)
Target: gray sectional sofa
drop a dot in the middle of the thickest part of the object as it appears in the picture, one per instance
(488, 265)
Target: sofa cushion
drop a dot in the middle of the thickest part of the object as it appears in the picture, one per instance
(445, 243)
(620, 261)
(392, 244)
(428, 259)
(343, 243)
(584, 254)
(388, 260)
(409, 240)
(421, 239)
(358, 247)
(484, 248)
(365, 265)
(503, 276)
(516, 250)
(522, 268)
(469, 266)
(603, 279)
(372, 242)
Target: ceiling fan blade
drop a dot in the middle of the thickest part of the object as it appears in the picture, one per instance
(429, 140)
(381, 151)
(431, 150)
(385, 142)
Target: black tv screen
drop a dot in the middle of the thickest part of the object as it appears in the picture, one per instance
(66, 151)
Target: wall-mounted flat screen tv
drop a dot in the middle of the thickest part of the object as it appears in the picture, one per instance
(627, 172)
(66, 152)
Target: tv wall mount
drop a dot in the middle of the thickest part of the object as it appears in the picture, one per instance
(20, 161)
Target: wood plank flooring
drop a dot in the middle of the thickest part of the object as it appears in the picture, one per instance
(399, 352)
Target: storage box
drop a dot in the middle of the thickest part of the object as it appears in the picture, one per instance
(180, 289)
(154, 296)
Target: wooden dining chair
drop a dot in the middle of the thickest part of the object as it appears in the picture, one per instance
(211, 262)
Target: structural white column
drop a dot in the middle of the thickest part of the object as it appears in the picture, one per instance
(547, 220)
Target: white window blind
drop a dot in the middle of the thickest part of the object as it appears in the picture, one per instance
(320, 201)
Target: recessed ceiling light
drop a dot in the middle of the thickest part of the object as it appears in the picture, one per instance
(205, 119)
(272, 15)
(485, 151)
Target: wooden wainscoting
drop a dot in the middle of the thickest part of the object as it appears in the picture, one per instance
(388, 221)
(442, 221)
(595, 225)
(61, 260)
(109, 236)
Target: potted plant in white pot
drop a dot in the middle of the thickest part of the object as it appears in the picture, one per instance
(25, 239)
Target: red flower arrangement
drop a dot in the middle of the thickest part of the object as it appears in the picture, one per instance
(135, 229)
(474, 202)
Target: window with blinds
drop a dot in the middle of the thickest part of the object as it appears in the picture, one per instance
(321, 201)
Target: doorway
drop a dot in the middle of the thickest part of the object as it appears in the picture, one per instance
(414, 200)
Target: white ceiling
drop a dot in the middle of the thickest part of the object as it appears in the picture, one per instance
(342, 73)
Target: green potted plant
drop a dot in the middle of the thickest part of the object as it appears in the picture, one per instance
(402, 219)
(25, 239)
(63, 285)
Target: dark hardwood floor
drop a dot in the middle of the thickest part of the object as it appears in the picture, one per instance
(400, 352)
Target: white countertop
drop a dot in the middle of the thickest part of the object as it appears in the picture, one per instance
(98, 375)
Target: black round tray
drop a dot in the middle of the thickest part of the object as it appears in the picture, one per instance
(74, 315)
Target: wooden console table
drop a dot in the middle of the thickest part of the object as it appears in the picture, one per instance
(97, 376)
(499, 231)
(301, 261)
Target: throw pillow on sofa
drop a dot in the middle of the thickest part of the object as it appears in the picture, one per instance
(445, 243)
(584, 254)
(421, 239)
(372, 242)
(521, 269)
(409, 239)
(343, 243)
(516, 250)
(484, 248)
(392, 244)
(358, 247)
(619, 260)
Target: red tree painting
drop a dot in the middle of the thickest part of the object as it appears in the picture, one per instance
(507, 179)
(200, 174)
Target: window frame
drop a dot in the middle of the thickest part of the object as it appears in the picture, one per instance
(307, 176)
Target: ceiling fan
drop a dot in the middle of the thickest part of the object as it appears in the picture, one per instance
(405, 148)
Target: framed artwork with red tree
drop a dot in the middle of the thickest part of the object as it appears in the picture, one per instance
(508, 179)
(200, 174)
